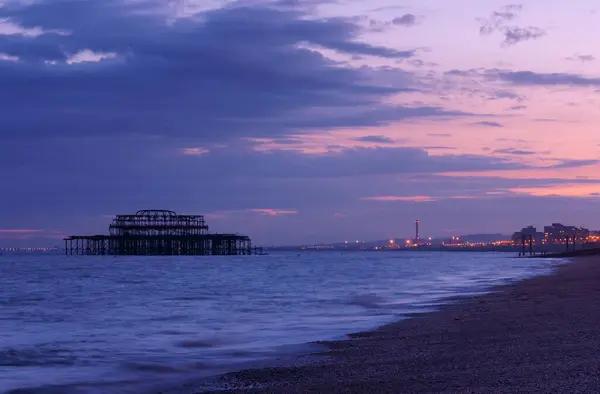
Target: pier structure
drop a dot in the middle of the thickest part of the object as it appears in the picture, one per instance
(160, 233)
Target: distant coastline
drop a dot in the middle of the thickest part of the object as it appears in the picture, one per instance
(548, 250)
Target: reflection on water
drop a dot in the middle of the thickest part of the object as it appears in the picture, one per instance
(89, 321)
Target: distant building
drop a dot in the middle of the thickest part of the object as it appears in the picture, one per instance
(558, 233)
(529, 231)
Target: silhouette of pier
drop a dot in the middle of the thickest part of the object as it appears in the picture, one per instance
(160, 233)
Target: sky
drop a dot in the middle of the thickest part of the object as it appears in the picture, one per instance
(299, 121)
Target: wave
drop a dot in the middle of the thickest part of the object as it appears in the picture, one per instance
(369, 301)
(151, 367)
(206, 342)
(197, 343)
(14, 357)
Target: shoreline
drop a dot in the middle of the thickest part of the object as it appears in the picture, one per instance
(535, 335)
(471, 344)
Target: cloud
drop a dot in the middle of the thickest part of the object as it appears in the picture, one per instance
(517, 140)
(346, 162)
(541, 79)
(528, 78)
(444, 135)
(414, 198)
(154, 173)
(196, 151)
(506, 94)
(113, 106)
(405, 20)
(239, 71)
(514, 35)
(274, 212)
(497, 19)
(23, 233)
(400, 198)
(84, 178)
(573, 190)
(488, 124)
(439, 147)
(8, 58)
(379, 139)
(89, 56)
(8, 28)
(497, 23)
(582, 58)
(17, 231)
(517, 152)
(545, 120)
(574, 163)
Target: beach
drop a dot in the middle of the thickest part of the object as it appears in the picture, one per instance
(538, 335)
(149, 324)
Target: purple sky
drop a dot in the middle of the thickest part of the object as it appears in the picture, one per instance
(298, 121)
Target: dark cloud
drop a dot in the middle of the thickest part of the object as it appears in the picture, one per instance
(488, 124)
(513, 151)
(439, 147)
(376, 139)
(527, 78)
(497, 23)
(445, 135)
(288, 141)
(350, 162)
(421, 63)
(506, 94)
(582, 58)
(464, 73)
(514, 35)
(574, 163)
(227, 73)
(497, 19)
(517, 107)
(405, 20)
(542, 79)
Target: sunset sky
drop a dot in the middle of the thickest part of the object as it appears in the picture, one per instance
(299, 121)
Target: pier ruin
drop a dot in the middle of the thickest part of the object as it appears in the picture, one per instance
(160, 233)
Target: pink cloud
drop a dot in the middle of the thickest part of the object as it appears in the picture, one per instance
(413, 198)
(563, 190)
(274, 212)
(340, 215)
(197, 151)
(29, 233)
(400, 198)
(18, 233)
(217, 215)
(13, 231)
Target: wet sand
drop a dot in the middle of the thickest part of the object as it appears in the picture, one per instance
(540, 335)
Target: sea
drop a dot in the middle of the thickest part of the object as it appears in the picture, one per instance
(106, 324)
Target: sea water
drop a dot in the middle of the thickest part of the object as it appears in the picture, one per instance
(87, 324)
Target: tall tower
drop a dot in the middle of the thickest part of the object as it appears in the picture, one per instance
(417, 238)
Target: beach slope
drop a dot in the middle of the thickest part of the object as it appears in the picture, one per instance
(539, 335)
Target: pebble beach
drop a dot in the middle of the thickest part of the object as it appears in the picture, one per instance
(538, 335)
